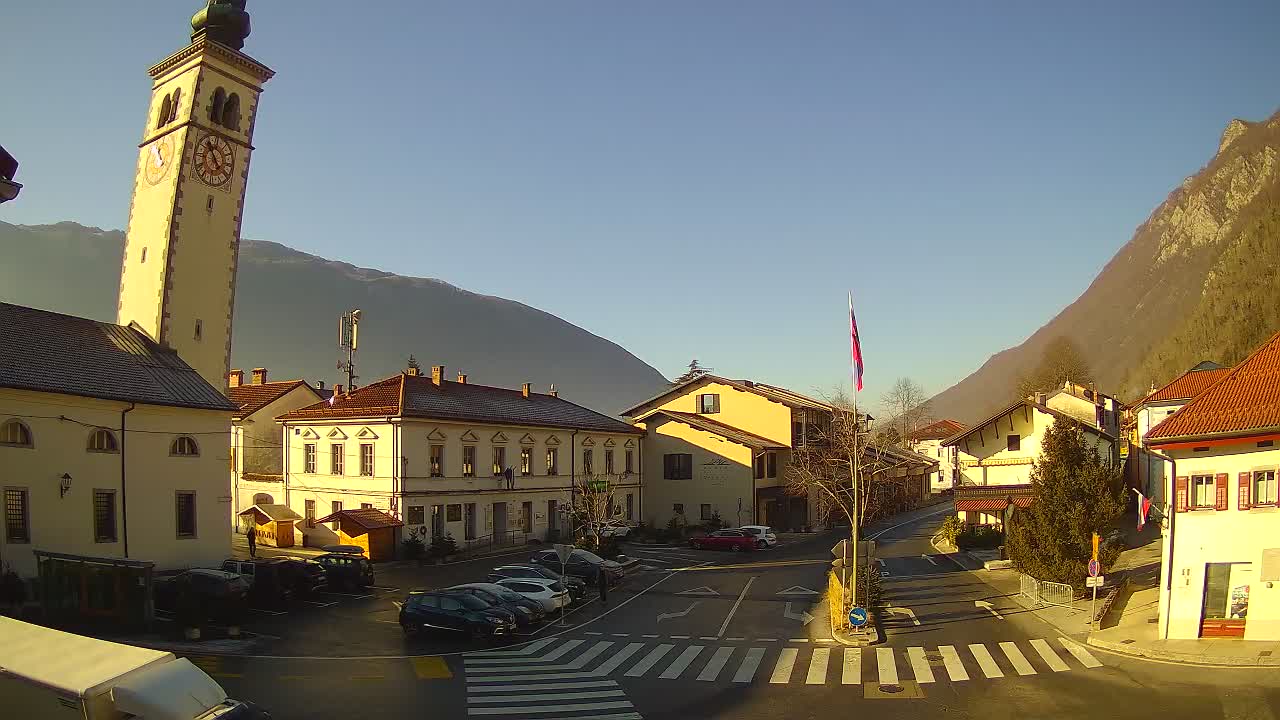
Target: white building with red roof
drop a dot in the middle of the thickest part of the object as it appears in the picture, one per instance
(1221, 571)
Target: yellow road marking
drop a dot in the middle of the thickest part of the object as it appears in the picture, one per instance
(431, 668)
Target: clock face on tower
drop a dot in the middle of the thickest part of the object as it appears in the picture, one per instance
(157, 159)
(214, 160)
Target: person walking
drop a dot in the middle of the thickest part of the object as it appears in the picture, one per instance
(252, 536)
(602, 579)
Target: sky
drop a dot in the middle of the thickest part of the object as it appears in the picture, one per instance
(688, 179)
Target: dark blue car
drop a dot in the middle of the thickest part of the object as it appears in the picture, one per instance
(454, 613)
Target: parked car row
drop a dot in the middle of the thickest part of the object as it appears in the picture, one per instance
(745, 538)
(271, 582)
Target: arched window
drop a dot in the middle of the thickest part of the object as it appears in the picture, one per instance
(102, 440)
(166, 106)
(262, 499)
(177, 100)
(15, 433)
(215, 108)
(231, 113)
(184, 445)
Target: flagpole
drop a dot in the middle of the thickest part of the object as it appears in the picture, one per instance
(855, 360)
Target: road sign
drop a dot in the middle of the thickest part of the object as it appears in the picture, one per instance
(841, 549)
(1094, 582)
(1094, 568)
(564, 552)
(858, 617)
(1095, 547)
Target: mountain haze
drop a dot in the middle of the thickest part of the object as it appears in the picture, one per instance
(287, 309)
(1199, 280)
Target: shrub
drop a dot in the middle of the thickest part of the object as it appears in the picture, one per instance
(443, 545)
(951, 529)
(13, 591)
(413, 545)
(978, 537)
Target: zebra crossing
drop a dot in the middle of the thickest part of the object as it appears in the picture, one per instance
(516, 683)
(589, 663)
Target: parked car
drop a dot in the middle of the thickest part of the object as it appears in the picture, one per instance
(346, 571)
(222, 594)
(577, 588)
(272, 580)
(528, 612)
(583, 564)
(455, 613)
(734, 540)
(763, 535)
(551, 594)
(614, 529)
(344, 549)
(308, 576)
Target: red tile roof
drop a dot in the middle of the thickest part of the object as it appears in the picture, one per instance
(252, 398)
(367, 518)
(991, 498)
(418, 396)
(1245, 401)
(940, 430)
(1187, 386)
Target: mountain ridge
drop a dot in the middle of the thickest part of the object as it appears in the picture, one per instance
(284, 324)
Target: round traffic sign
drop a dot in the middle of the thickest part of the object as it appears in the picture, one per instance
(1094, 568)
(858, 617)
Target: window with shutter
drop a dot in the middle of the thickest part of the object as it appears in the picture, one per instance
(1220, 481)
(1180, 493)
(1245, 482)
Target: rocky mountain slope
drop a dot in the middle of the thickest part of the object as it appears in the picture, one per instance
(287, 308)
(1199, 280)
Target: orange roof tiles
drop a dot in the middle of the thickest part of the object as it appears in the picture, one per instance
(252, 398)
(940, 430)
(367, 518)
(1244, 401)
(1187, 386)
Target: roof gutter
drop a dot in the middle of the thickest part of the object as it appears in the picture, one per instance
(1185, 441)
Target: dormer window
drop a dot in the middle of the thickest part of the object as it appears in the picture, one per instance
(709, 404)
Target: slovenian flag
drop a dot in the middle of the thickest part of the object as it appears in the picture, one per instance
(855, 347)
(1144, 506)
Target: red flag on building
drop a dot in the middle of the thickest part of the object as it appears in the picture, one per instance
(855, 346)
(1144, 506)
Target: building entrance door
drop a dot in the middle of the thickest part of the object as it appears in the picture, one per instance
(1225, 607)
(499, 522)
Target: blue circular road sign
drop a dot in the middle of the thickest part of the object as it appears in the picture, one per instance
(858, 617)
(1094, 569)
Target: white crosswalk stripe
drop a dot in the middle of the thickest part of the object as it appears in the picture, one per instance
(951, 661)
(818, 667)
(1017, 659)
(920, 665)
(1049, 656)
(582, 672)
(985, 661)
(1085, 657)
(886, 666)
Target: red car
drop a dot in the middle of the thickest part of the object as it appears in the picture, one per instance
(734, 540)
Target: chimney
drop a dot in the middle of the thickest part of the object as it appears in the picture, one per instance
(259, 376)
(524, 389)
(337, 389)
(462, 379)
(553, 392)
(235, 378)
(437, 374)
(319, 384)
(412, 371)
(1039, 398)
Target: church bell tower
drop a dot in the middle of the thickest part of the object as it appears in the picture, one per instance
(178, 280)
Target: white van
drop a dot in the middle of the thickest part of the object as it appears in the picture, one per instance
(47, 673)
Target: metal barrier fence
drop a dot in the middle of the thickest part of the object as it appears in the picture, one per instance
(1049, 593)
(836, 601)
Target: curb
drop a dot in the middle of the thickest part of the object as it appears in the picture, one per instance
(1139, 652)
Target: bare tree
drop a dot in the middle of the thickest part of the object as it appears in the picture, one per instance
(593, 505)
(907, 405)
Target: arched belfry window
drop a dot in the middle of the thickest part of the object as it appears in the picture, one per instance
(15, 433)
(177, 100)
(215, 108)
(231, 113)
(166, 107)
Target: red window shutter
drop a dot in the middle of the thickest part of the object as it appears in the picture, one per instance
(1246, 482)
(1180, 493)
(1220, 484)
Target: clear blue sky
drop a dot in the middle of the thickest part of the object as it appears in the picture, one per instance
(686, 178)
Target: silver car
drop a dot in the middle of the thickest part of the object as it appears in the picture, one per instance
(762, 533)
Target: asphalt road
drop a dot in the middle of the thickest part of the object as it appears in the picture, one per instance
(704, 634)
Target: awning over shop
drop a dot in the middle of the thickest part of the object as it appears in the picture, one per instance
(992, 498)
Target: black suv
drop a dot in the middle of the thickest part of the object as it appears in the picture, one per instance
(346, 571)
(220, 596)
(272, 580)
(307, 575)
(577, 588)
(528, 612)
(454, 613)
(583, 564)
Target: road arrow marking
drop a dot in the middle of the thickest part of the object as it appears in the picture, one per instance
(668, 616)
(987, 606)
(803, 617)
(930, 559)
(704, 590)
(797, 590)
(905, 611)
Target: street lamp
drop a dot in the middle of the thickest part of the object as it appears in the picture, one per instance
(65, 487)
